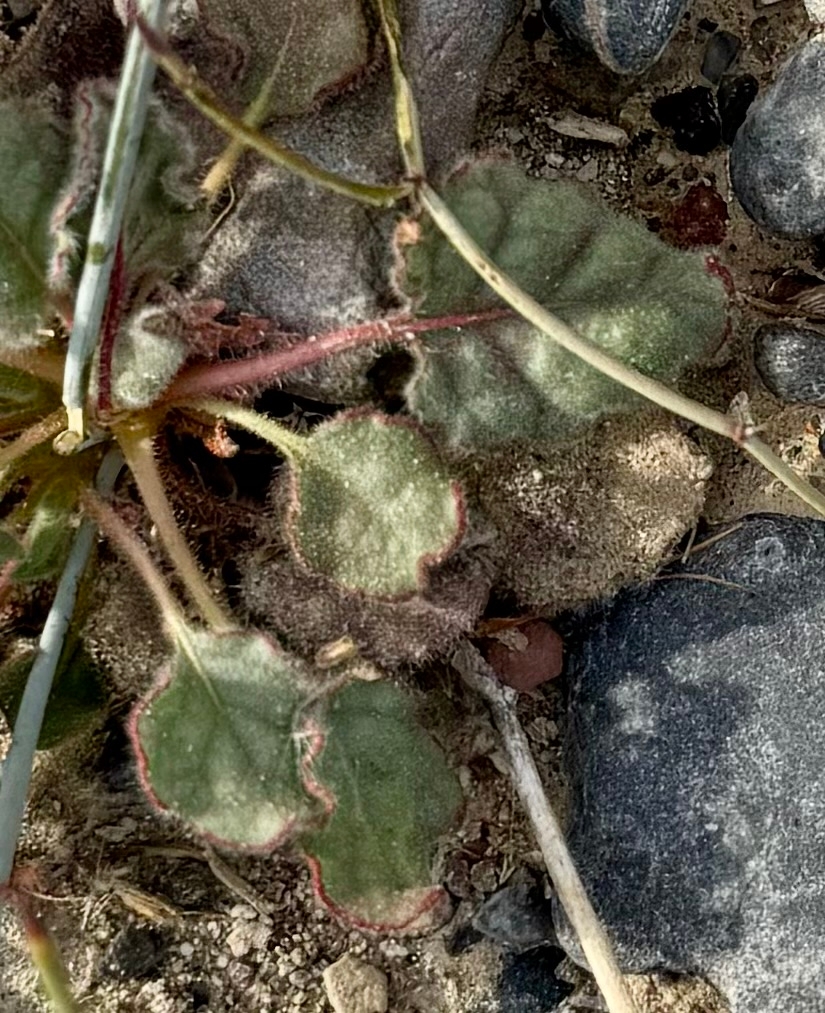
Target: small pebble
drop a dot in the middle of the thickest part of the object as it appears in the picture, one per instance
(186, 950)
(790, 360)
(692, 116)
(353, 986)
(720, 53)
(699, 219)
(532, 655)
(518, 915)
(777, 157)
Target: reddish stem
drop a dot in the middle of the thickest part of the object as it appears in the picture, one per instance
(211, 378)
(112, 316)
(6, 580)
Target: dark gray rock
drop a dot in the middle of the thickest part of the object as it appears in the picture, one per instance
(777, 157)
(528, 982)
(791, 362)
(517, 915)
(626, 35)
(720, 52)
(696, 751)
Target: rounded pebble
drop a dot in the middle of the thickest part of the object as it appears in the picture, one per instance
(777, 158)
(791, 362)
(628, 36)
(721, 50)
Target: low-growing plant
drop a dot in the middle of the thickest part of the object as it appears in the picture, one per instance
(530, 312)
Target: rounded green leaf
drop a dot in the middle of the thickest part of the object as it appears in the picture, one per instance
(372, 505)
(391, 796)
(655, 308)
(216, 738)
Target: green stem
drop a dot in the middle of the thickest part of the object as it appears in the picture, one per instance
(116, 531)
(287, 443)
(406, 114)
(204, 99)
(762, 453)
(125, 132)
(48, 960)
(136, 442)
(17, 766)
(219, 174)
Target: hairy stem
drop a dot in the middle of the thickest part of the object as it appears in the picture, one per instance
(206, 101)
(136, 441)
(125, 132)
(17, 766)
(211, 378)
(285, 441)
(40, 432)
(48, 960)
(566, 880)
(116, 531)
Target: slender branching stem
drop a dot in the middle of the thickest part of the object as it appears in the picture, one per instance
(285, 441)
(406, 115)
(17, 766)
(762, 453)
(211, 378)
(136, 441)
(46, 429)
(125, 132)
(207, 102)
(220, 173)
(48, 960)
(566, 880)
(127, 544)
(554, 328)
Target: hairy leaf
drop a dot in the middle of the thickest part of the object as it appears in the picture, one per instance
(372, 505)
(32, 167)
(76, 699)
(216, 738)
(23, 397)
(391, 794)
(147, 355)
(50, 509)
(656, 308)
(307, 46)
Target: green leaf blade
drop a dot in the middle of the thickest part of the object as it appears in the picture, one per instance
(394, 795)
(216, 739)
(655, 308)
(373, 505)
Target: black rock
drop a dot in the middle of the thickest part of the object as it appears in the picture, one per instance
(777, 157)
(626, 35)
(528, 982)
(734, 98)
(137, 951)
(791, 361)
(696, 756)
(721, 50)
(517, 915)
(691, 115)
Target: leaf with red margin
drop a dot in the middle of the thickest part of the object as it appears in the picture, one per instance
(390, 795)
(217, 739)
(372, 506)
